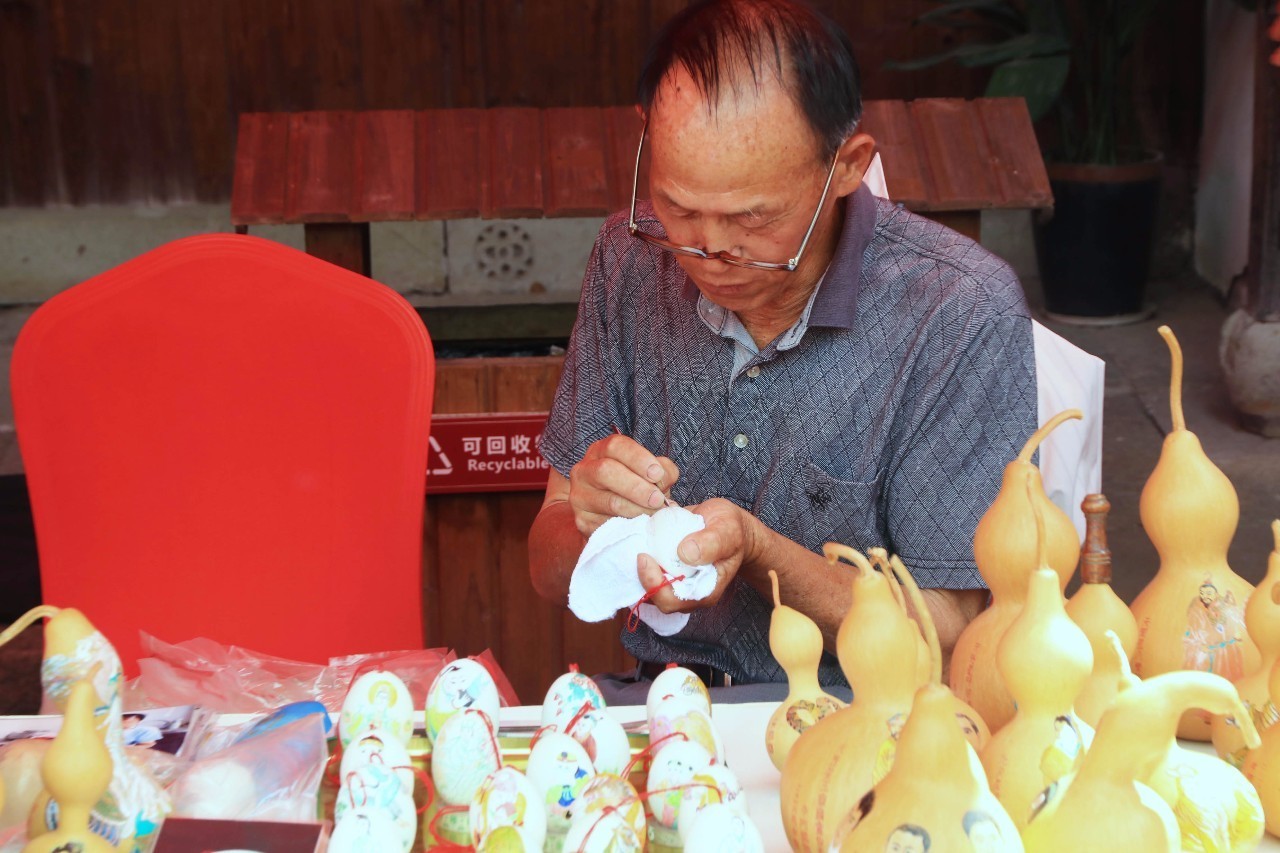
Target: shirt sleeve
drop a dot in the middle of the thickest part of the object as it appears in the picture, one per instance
(976, 408)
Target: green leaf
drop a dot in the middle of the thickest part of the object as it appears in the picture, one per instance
(1038, 80)
(1020, 47)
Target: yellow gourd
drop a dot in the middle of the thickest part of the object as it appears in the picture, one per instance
(1262, 619)
(1262, 764)
(76, 771)
(1004, 546)
(796, 642)
(74, 650)
(1097, 609)
(1191, 614)
(1044, 659)
(924, 663)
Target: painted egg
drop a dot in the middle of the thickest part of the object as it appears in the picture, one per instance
(664, 531)
(567, 696)
(675, 683)
(365, 830)
(370, 747)
(373, 786)
(507, 839)
(604, 740)
(559, 769)
(377, 700)
(466, 751)
(507, 798)
(710, 785)
(672, 769)
(720, 826)
(602, 832)
(461, 685)
(607, 792)
(688, 724)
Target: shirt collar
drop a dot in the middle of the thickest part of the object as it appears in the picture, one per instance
(835, 304)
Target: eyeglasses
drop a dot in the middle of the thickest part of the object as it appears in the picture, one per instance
(726, 257)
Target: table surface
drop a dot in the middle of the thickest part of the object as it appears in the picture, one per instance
(742, 728)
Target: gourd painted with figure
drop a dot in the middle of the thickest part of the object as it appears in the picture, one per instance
(1191, 614)
(1262, 619)
(796, 642)
(1097, 609)
(1044, 659)
(935, 792)
(1004, 546)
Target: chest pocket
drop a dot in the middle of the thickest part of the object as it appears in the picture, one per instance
(821, 508)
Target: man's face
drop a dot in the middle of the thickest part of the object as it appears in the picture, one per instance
(743, 177)
(902, 841)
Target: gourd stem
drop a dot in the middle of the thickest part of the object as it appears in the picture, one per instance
(1049, 426)
(1127, 678)
(773, 578)
(43, 611)
(923, 617)
(880, 557)
(1175, 378)
(833, 551)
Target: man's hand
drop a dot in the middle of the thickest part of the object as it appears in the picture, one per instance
(727, 542)
(618, 477)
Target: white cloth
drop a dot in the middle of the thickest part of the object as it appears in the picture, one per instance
(605, 581)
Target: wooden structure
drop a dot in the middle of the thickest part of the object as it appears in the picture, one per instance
(336, 172)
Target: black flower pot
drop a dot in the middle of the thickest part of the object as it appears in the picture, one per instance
(1094, 250)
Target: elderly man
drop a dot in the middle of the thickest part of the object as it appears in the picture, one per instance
(773, 347)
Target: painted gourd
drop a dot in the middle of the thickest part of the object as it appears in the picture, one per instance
(77, 771)
(1262, 764)
(1004, 546)
(1097, 609)
(135, 803)
(1109, 804)
(929, 668)
(1262, 619)
(837, 760)
(1191, 614)
(796, 642)
(1044, 659)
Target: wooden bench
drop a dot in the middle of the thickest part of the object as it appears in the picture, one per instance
(336, 172)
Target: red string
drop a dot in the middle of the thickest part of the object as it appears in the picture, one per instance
(586, 708)
(442, 843)
(633, 617)
(647, 753)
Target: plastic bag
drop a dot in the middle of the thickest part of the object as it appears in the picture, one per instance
(230, 679)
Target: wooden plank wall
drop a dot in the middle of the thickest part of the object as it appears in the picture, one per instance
(136, 100)
(476, 589)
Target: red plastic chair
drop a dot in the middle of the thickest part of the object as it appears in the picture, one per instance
(227, 438)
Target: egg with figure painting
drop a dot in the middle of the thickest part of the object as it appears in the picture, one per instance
(506, 797)
(373, 747)
(373, 786)
(603, 738)
(377, 700)
(366, 829)
(559, 769)
(609, 792)
(710, 785)
(466, 751)
(675, 722)
(677, 684)
(569, 695)
(463, 684)
(602, 832)
(721, 827)
(670, 774)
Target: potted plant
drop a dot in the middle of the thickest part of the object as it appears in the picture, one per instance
(1066, 59)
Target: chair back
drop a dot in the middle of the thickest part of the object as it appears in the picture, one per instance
(225, 437)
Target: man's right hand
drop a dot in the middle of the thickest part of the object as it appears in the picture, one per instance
(618, 477)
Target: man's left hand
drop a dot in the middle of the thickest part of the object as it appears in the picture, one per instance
(727, 542)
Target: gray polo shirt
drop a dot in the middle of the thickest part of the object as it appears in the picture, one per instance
(885, 416)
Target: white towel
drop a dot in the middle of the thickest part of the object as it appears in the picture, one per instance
(605, 579)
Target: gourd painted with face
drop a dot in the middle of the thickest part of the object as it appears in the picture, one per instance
(1191, 614)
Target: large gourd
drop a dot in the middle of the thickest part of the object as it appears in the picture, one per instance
(1044, 659)
(1004, 546)
(796, 642)
(1097, 609)
(1262, 619)
(1107, 804)
(1262, 763)
(1191, 614)
(76, 771)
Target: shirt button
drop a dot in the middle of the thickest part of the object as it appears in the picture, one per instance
(740, 441)
(753, 371)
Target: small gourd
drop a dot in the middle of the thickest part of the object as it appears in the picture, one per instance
(1262, 763)
(1097, 609)
(76, 771)
(1044, 659)
(1262, 619)
(837, 760)
(796, 642)
(1191, 614)
(1109, 803)
(1004, 546)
